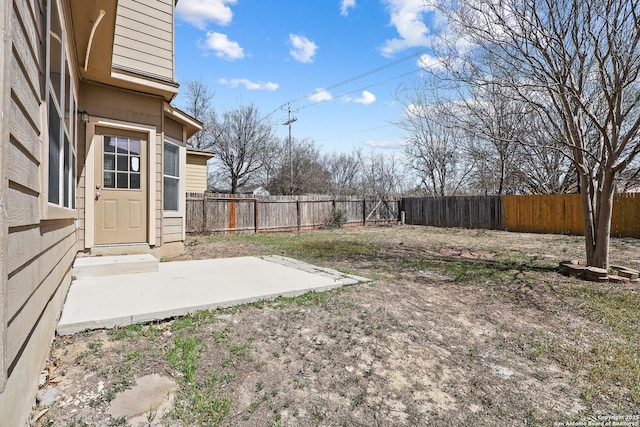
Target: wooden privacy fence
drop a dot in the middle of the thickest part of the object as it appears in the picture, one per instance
(454, 211)
(208, 213)
(540, 213)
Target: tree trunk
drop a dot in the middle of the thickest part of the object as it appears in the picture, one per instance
(234, 185)
(597, 224)
(603, 225)
(588, 217)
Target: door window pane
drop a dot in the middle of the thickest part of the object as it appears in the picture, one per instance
(135, 181)
(109, 180)
(134, 146)
(109, 144)
(109, 162)
(123, 180)
(125, 161)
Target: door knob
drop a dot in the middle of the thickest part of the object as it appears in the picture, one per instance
(97, 195)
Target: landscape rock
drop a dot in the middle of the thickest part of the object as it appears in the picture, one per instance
(147, 395)
(47, 396)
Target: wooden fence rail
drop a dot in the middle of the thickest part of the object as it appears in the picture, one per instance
(209, 213)
(540, 213)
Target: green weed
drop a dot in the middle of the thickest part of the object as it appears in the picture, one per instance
(134, 332)
(193, 320)
(219, 336)
(183, 356)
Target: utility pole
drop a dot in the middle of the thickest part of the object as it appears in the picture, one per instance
(288, 123)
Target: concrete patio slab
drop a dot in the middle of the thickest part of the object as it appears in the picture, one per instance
(95, 266)
(182, 287)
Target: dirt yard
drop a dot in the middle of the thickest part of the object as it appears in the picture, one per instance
(459, 327)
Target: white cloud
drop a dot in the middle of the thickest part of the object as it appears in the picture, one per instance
(407, 16)
(420, 111)
(200, 12)
(346, 5)
(302, 48)
(249, 85)
(366, 98)
(430, 62)
(320, 95)
(223, 47)
(386, 145)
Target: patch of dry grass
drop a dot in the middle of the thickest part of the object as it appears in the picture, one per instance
(461, 327)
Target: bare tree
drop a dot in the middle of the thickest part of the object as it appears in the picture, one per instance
(243, 145)
(345, 170)
(434, 147)
(494, 128)
(629, 179)
(198, 103)
(382, 175)
(301, 173)
(576, 65)
(543, 170)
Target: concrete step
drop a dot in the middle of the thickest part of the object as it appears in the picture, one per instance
(97, 266)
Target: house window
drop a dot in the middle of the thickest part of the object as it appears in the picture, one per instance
(62, 116)
(171, 177)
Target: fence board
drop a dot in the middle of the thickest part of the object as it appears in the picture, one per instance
(544, 213)
(540, 213)
(625, 221)
(230, 213)
(454, 211)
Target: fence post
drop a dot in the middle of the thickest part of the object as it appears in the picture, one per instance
(204, 214)
(298, 214)
(364, 212)
(255, 214)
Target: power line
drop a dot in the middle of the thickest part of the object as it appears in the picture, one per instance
(362, 88)
(359, 76)
(354, 133)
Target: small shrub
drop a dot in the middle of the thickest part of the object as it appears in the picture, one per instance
(337, 219)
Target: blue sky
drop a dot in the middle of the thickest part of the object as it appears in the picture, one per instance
(272, 52)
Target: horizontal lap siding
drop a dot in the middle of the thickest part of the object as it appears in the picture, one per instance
(143, 40)
(37, 254)
(196, 175)
(50, 269)
(172, 230)
(173, 129)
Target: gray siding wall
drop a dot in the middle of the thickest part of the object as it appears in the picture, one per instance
(38, 253)
(143, 41)
(173, 129)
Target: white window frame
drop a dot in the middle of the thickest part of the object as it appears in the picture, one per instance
(173, 177)
(66, 112)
